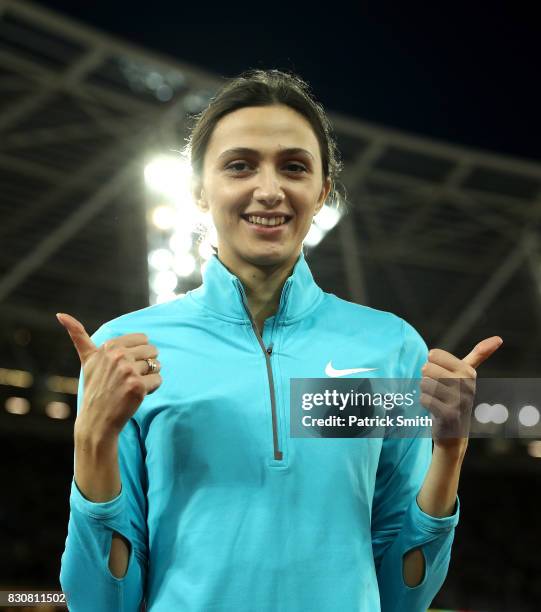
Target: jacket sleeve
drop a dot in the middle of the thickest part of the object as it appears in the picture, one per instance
(398, 523)
(85, 577)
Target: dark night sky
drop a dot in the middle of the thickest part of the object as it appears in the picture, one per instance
(468, 77)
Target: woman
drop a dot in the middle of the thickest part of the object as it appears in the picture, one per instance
(188, 491)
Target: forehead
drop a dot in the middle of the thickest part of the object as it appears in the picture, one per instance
(263, 128)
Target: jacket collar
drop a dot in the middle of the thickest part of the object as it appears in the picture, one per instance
(224, 294)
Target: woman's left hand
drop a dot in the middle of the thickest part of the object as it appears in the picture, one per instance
(451, 402)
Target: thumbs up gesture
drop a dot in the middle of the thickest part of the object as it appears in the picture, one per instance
(116, 377)
(448, 390)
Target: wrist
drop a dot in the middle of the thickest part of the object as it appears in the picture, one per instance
(93, 437)
(451, 449)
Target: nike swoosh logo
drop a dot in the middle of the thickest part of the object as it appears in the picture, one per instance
(330, 371)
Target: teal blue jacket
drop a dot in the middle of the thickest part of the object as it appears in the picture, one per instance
(224, 511)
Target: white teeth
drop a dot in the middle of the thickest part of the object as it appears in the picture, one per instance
(266, 221)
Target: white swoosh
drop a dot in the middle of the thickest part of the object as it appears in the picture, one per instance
(330, 371)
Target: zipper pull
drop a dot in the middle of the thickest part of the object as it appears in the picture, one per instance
(269, 349)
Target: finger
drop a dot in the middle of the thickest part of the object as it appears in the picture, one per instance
(444, 359)
(480, 353)
(152, 382)
(129, 340)
(142, 351)
(483, 351)
(142, 367)
(450, 394)
(81, 340)
(433, 370)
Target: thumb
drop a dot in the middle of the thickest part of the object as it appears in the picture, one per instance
(483, 351)
(81, 340)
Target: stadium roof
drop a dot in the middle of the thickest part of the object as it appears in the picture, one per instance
(444, 236)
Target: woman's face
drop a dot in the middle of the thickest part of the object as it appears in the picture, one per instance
(263, 183)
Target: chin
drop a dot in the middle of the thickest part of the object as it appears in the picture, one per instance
(269, 257)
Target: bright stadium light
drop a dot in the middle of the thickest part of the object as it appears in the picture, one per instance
(314, 236)
(165, 297)
(205, 249)
(184, 264)
(534, 449)
(16, 378)
(17, 405)
(164, 217)
(181, 242)
(499, 414)
(528, 416)
(57, 410)
(160, 259)
(491, 413)
(327, 217)
(170, 176)
(164, 282)
(482, 413)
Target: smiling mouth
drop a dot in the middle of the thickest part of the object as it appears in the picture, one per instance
(267, 221)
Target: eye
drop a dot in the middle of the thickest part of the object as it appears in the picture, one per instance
(298, 167)
(238, 166)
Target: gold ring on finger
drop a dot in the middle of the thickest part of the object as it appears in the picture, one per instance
(152, 366)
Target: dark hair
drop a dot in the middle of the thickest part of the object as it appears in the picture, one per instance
(264, 88)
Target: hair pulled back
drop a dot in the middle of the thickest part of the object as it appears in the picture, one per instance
(257, 87)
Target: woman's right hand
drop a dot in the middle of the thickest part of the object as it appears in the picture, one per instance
(116, 378)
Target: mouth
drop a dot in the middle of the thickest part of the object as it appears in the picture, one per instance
(267, 223)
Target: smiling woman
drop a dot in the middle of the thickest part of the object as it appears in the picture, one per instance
(264, 162)
(189, 492)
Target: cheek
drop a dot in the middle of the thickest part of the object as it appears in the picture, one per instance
(306, 204)
(229, 198)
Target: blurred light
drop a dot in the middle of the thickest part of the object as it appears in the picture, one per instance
(204, 267)
(57, 410)
(327, 217)
(195, 102)
(499, 413)
(16, 378)
(154, 80)
(63, 384)
(534, 449)
(164, 93)
(170, 176)
(165, 297)
(528, 416)
(160, 259)
(495, 413)
(17, 405)
(211, 232)
(164, 282)
(482, 413)
(205, 249)
(314, 236)
(181, 242)
(190, 218)
(184, 265)
(164, 217)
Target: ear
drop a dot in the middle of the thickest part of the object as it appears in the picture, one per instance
(325, 190)
(198, 195)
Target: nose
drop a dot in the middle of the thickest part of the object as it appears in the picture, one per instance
(269, 189)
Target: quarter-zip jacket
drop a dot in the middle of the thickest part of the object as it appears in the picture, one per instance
(223, 510)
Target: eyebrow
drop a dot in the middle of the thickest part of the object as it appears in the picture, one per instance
(247, 151)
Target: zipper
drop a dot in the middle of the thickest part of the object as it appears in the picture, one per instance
(267, 352)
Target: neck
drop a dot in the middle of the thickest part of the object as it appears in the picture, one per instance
(262, 284)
